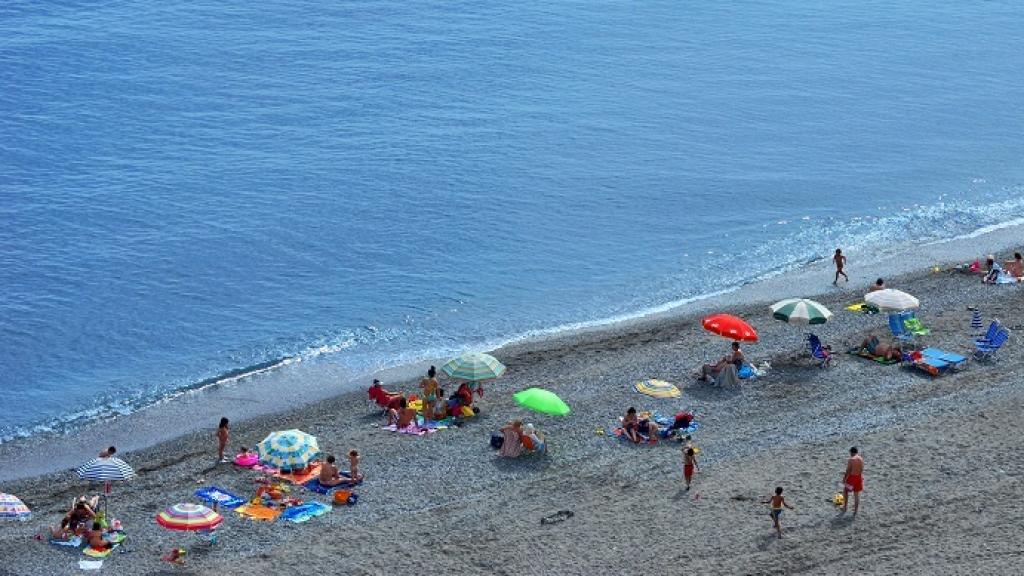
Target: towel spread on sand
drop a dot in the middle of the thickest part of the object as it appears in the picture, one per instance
(219, 497)
(94, 553)
(90, 564)
(301, 477)
(411, 429)
(867, 356)
(74, 542)
(314, 485)
(258, 512)
(304, 512)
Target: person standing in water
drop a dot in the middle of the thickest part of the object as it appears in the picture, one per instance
(429, 386)
(840, 262)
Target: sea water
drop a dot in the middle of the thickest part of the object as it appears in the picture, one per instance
(191, 192)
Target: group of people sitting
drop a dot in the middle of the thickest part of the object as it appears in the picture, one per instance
(82, 520)
(734, 358)
(435, 405)
(637, 429)
(518, 439)
(1010, 271)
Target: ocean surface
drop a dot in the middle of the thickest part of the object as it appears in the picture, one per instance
(193, 191)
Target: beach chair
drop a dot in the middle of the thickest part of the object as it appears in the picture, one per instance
(914, 326)
(935, 361)
(990, 334)
(987, 350)
(898, 329)
(819, 351)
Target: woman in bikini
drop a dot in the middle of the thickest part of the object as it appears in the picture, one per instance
(429, 386)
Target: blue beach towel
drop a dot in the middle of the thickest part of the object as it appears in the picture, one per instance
(314, 485)
(304, 512)
(219, 497)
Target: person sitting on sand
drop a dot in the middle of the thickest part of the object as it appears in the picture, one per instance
(875, 347)
(1016, 267)
(533, 440)
(329, 475)
(630, 422)
(878, 285)
(75, 521)
(735, 357)
(96, 540)
(442, 406)
(512, 446)
(646, 427)
(108, 452)
(682, 421)
(406, 415)
(463, 397)
(992, 270)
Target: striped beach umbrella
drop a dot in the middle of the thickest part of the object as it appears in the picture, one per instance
(189, 517)
(105, 470)
(657, 388)
(474, 366)
(891, 299)
(800, 311)
(288, 450)
(12, 508)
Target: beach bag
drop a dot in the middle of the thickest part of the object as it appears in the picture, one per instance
(497, 440)
(345, 497)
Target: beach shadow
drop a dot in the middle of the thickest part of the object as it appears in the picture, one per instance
(766, 541)
(709, 393)
(841, 520)
(532, 463)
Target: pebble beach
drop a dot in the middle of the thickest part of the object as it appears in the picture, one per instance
(941, 481)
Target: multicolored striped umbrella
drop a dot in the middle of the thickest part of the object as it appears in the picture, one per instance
(288, 450)
(474, 366)
(105, 470)
(657, 388)
(800, 311)
(189, 517)
(12, 508)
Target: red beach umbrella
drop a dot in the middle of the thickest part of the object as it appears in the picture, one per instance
(729, 326)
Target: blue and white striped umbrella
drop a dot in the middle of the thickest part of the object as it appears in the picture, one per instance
(105, 470)
(288, 450)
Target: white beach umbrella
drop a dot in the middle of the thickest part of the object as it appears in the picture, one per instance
(800, 311)
(891, 299)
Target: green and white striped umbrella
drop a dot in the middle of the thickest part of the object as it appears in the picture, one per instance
(474, 367)
(800, 311)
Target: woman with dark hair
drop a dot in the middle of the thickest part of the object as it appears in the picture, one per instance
(429, 386)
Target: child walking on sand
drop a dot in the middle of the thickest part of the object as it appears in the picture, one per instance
(689, 464)
(222, 439)
(840, 262)
(777, 503)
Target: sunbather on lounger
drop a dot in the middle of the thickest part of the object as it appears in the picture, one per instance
(873, 346)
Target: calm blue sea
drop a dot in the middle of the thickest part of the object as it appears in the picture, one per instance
(190, 189)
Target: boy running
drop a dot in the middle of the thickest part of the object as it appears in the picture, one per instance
(778, 502)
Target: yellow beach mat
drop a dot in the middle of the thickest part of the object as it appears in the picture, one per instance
(258, 512)
(862, 308)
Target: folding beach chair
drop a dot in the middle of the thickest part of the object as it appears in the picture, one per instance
(990, 334)
(914, 326)
(899, 331)
(819, 351)
(987, 350)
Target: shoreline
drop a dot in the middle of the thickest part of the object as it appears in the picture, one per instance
(788, 428)
(240, 398)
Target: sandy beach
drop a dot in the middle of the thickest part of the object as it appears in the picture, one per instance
(942, 468)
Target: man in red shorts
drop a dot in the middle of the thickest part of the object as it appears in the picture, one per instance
(853, 480)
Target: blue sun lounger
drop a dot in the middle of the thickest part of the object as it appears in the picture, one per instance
(935, 361)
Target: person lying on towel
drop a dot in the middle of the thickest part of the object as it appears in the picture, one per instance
(873, 346)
